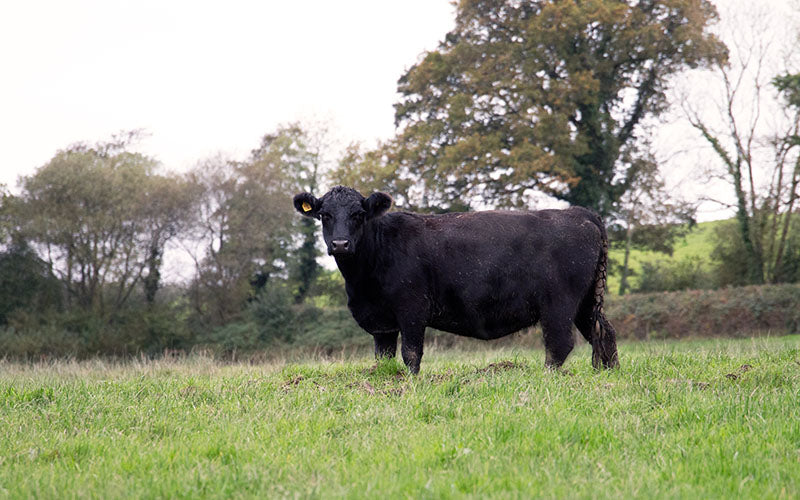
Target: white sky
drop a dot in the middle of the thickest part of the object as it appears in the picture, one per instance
(198, 76)
(203, 77)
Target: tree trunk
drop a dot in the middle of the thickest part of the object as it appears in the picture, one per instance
(623, 285)
(755, 265)
(782, 244)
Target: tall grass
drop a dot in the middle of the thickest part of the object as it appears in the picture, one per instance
(699, 419)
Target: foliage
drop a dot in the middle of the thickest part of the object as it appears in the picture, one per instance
(305, 268)
(301, 152)
(328, 289)
(697, 243)
(26, 283)
(730, 261)
(789, 85)
(648, 217)
(710, 419)
(245, 227)
(379, 169)
(715, 250)
(72, 333)
(789, 268)
(543, 95)
(272, 321)
(736, 311)
(101, 216)
(754, 136)
(271, 312)
(686, 274)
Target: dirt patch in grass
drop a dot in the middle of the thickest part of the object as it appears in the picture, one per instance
(292, 382)
(738, 373)
(440, 377)
(689, 382)
(501, 366)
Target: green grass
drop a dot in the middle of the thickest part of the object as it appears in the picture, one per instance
(697, 244)
(697, 419)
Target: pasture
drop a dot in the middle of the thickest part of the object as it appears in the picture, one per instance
(697, 244)
(699, 419)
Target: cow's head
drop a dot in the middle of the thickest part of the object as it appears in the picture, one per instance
(343, 212)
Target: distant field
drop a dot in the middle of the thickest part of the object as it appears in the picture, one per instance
(698, 243)
(699, 419)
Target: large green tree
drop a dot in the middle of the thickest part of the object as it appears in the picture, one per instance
(246, 228)
(544, 95)
(300, 152)
(100, 216)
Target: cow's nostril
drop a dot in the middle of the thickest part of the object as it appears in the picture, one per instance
(340, 245)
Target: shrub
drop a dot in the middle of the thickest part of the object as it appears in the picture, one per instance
(729, 256)
(273, 314)
(75, 333)
(725, 312)
(26, 283)
(686, 274)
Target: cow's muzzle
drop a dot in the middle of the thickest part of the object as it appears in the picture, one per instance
(341, 247)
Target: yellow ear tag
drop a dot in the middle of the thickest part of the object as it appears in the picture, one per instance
(306, 207)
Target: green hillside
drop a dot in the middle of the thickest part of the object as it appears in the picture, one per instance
(698, 243)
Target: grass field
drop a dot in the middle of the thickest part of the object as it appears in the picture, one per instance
(696, 419)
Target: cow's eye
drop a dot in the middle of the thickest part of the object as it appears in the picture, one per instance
(325, 217)
(359, 216)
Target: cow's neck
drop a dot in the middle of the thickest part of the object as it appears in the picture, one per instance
(363, 263)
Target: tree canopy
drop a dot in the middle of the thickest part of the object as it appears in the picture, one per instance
(101, 215)
(246, 230)
(544, 95)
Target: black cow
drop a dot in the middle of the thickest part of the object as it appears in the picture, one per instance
(476, 274)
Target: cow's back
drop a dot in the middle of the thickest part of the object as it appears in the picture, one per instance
(488, 274)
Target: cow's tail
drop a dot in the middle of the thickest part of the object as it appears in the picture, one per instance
(604, 337)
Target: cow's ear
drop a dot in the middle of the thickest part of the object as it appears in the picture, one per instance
(306, 204)
(377, 204)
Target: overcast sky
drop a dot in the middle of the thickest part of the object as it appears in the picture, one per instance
(206, 77)
(201, 77)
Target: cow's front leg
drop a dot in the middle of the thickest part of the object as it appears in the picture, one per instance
(413, 336)
(385, 345)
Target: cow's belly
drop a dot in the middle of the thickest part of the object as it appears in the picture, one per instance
(486, 320)
(481, 330)
(374, 319)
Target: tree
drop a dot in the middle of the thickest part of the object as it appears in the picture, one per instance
(301, 150)
(166, 215)
(6, 219)
(544, 95)
(648, 217)
(786, 145)
(752, 135)
(377, 169)
(245, 226)
(241, 230)
(26, 282)
(100, 215)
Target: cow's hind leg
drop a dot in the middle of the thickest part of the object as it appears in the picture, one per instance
(599, 332)
(604, 345)
(385, 345)
(583, 319)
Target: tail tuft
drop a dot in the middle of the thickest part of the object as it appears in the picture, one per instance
(604, 336)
